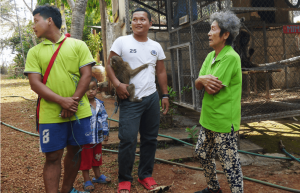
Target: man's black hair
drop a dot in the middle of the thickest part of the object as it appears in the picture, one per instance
(230, 38)
(47, 11)
(145, 10)
(94, 80)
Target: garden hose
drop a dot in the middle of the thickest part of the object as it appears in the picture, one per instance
(241, 151)
(287, 153)
(179, 164)
(19, 96)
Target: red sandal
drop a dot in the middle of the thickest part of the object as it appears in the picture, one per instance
(125, 185)
(148, 182)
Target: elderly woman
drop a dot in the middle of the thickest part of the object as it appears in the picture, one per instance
(221, 77)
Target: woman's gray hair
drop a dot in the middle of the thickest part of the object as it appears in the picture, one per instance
(228, 22)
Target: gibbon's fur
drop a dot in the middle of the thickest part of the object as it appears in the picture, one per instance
(124, 73)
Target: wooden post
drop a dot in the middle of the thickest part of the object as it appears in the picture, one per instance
(266, 60)
(103, 34)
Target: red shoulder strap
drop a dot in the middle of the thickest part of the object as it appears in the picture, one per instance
(45, 80)
(52, 61)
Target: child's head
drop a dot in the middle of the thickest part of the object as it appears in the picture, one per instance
(92, 90)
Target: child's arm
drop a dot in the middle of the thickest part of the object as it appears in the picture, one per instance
(103, 118)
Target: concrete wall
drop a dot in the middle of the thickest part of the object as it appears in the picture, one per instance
(163, 39)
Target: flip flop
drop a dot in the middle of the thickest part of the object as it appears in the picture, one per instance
(100, 180)
(148, 182)
(86, 184)
(125, 185)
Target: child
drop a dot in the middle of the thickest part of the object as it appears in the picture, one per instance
(91, 155)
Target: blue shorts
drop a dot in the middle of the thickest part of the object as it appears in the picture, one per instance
(56, 136)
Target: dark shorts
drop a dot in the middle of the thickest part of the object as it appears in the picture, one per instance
(56, 136)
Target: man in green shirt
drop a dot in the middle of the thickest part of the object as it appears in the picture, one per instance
(221, 77)
(65, 112)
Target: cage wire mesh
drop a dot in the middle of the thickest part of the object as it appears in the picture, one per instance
(271, 82)
(157, 9)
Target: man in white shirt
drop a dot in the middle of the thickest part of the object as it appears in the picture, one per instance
(144, 117)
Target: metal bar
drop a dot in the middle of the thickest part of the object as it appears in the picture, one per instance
(127, 20)
(192, 50)
(174, 79)
(284, 57)
(179, 46)
(182, 65)
(179, 79)
(266, 60)
(167, 12)
(179, 28)
(186, 105)
(263, 9)
(248, 84)
(149, 7)
(158, 14)
(270, 116)
(255, 83)
(192, 76)
(267, 77)
(265, 42)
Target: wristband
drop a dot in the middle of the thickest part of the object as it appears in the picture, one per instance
(118, 85)
(165, 96)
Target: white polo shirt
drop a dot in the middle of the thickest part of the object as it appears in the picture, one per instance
(136, 54)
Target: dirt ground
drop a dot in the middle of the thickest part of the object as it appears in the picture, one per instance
(22, 163)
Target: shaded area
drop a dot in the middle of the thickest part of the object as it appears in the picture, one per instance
(267, 134)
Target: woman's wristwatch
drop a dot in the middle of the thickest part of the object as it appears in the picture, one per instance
(165, 96)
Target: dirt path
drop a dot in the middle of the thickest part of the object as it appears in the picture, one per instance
(22, 163)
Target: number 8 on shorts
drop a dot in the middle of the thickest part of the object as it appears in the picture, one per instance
(46, 137)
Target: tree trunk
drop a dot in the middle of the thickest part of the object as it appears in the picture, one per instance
(71, 4)
(78, 15)
(103, 34)
(24, 59)
(63, 17)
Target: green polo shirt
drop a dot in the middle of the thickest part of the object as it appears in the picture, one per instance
(64, 75)
(222, 110)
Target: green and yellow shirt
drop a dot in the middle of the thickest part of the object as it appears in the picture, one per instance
(222, 110)
(64, 75)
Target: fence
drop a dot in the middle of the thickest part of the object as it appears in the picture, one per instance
(270, 87)
(157, 9)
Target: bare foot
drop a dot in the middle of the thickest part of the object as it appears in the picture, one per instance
(108, 179)
(89, 188)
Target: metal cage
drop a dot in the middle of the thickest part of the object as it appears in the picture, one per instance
(270, 62)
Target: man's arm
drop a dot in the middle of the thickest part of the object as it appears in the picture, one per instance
(85, 79)
(46, 93)
(210, 83)
(162, 81)
(120, 87)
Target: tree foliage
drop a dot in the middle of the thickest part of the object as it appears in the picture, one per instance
(7, 12)
(94, 43)
(15, 44)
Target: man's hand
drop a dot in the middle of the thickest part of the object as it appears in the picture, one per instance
(165, 105)
(122, 91)
(66, 113)
(211, 83)
(69, 103)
